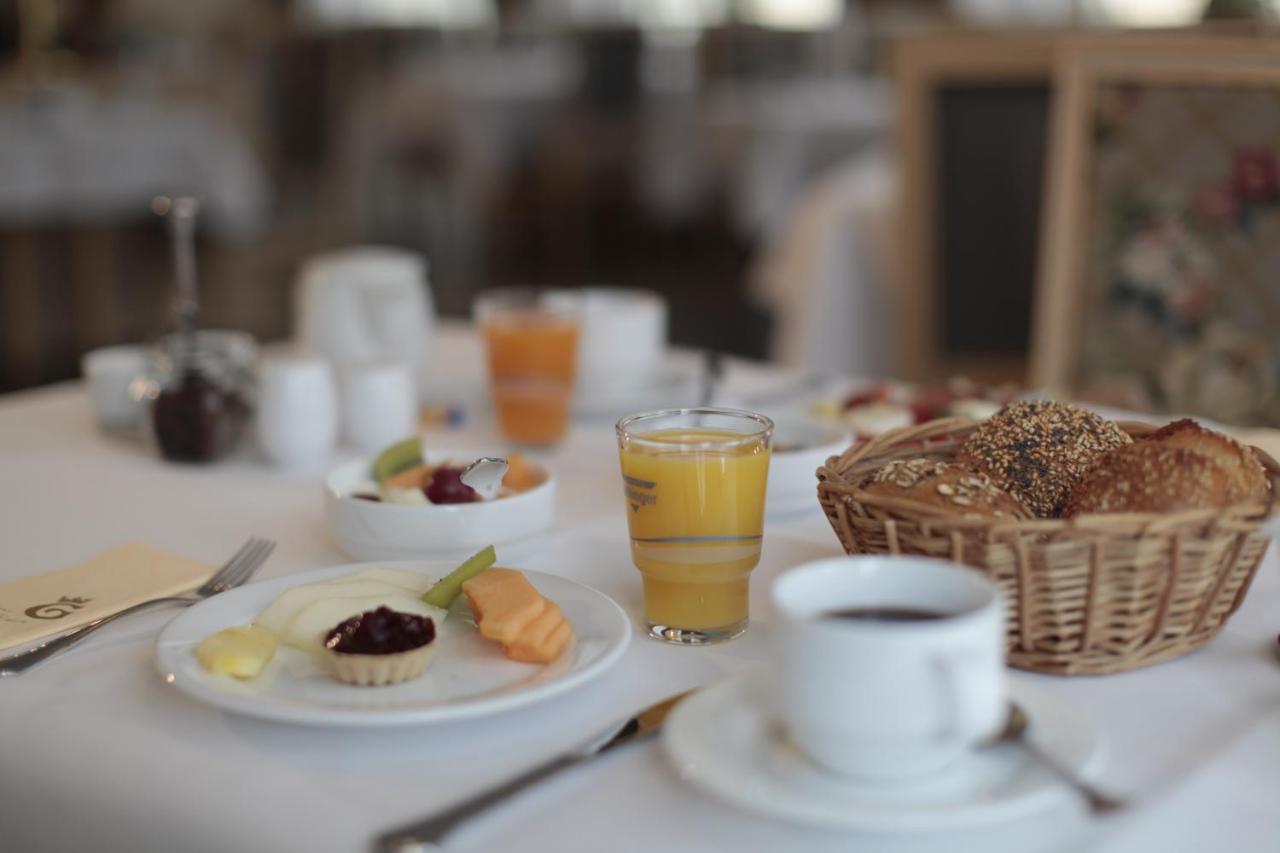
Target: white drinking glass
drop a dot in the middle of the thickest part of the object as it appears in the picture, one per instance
(297, 411)
(866, 689)
(112, 374)
(379, 405)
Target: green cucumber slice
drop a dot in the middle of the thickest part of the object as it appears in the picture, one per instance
(444, 591)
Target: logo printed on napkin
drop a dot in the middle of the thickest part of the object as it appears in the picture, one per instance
(62, 607)
(40, 606)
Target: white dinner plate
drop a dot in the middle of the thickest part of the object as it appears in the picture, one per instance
(468, 677)
(726, 740)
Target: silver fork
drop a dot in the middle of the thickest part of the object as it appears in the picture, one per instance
(237, 570)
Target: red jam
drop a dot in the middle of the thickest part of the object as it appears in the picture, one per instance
(198, 419)
(380, 632)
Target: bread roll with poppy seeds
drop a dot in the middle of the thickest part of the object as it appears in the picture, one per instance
(1038, 451)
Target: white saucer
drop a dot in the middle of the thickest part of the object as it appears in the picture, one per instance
(468, 677)
(726, 740)
(676, 382)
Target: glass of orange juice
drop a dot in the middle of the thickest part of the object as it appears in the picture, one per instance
(532, 344)
(695, 481)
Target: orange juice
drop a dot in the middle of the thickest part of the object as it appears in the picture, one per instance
(695, 506)
(532, 365)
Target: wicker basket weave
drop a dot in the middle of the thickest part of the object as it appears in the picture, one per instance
(1089, 595)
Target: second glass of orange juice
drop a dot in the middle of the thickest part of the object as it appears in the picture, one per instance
(694, 481)
(532, 344)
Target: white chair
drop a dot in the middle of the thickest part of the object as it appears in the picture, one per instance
(826, 276)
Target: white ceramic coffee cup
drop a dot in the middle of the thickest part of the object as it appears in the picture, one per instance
(623, 339)
(379, 405)
(886, 700)
(297, 411)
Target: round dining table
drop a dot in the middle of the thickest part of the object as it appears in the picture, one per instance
(98, 752)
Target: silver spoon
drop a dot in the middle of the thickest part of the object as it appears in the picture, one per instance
(1015, 730)
(485, 476)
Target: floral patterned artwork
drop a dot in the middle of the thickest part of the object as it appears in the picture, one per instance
(1181, 310)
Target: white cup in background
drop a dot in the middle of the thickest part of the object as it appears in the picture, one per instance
(367, 303)
(880, 699)
(379, 405)
(623, 338)
(297, 411)
(111, 373)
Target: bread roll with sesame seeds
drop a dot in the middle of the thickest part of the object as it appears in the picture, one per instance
(1038, 451)
(952, 488)
(1246, 478)
(1148, 476)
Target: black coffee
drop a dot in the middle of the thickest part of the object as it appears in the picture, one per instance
(886, 614)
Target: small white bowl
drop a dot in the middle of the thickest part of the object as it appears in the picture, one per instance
(371, 530)
(793, 484)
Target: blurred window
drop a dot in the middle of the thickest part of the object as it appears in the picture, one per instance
(1146, 13)
(678, 15)
(791, 14)
(445, 14)
(683, 14)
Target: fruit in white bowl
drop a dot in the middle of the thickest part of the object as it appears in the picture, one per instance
(379, 530)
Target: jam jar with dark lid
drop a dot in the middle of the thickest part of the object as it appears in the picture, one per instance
(200, 400)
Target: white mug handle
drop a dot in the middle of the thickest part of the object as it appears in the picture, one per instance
(962, 721)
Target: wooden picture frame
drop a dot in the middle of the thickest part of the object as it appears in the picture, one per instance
(1089, 318)
(922, 66)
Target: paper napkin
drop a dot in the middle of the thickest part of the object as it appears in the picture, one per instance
(40, 606)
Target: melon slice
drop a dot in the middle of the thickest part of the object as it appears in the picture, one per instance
(545, 650)
(508, 609)
(503, 602)
(521, 475)
(540, 628)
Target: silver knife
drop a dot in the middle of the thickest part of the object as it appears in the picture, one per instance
(424, 835)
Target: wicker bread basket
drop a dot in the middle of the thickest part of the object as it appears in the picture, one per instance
(1089, 595)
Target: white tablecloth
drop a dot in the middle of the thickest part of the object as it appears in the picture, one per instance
(97, 753)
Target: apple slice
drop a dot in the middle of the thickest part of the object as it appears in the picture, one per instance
(278, 614)
(415, 582)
